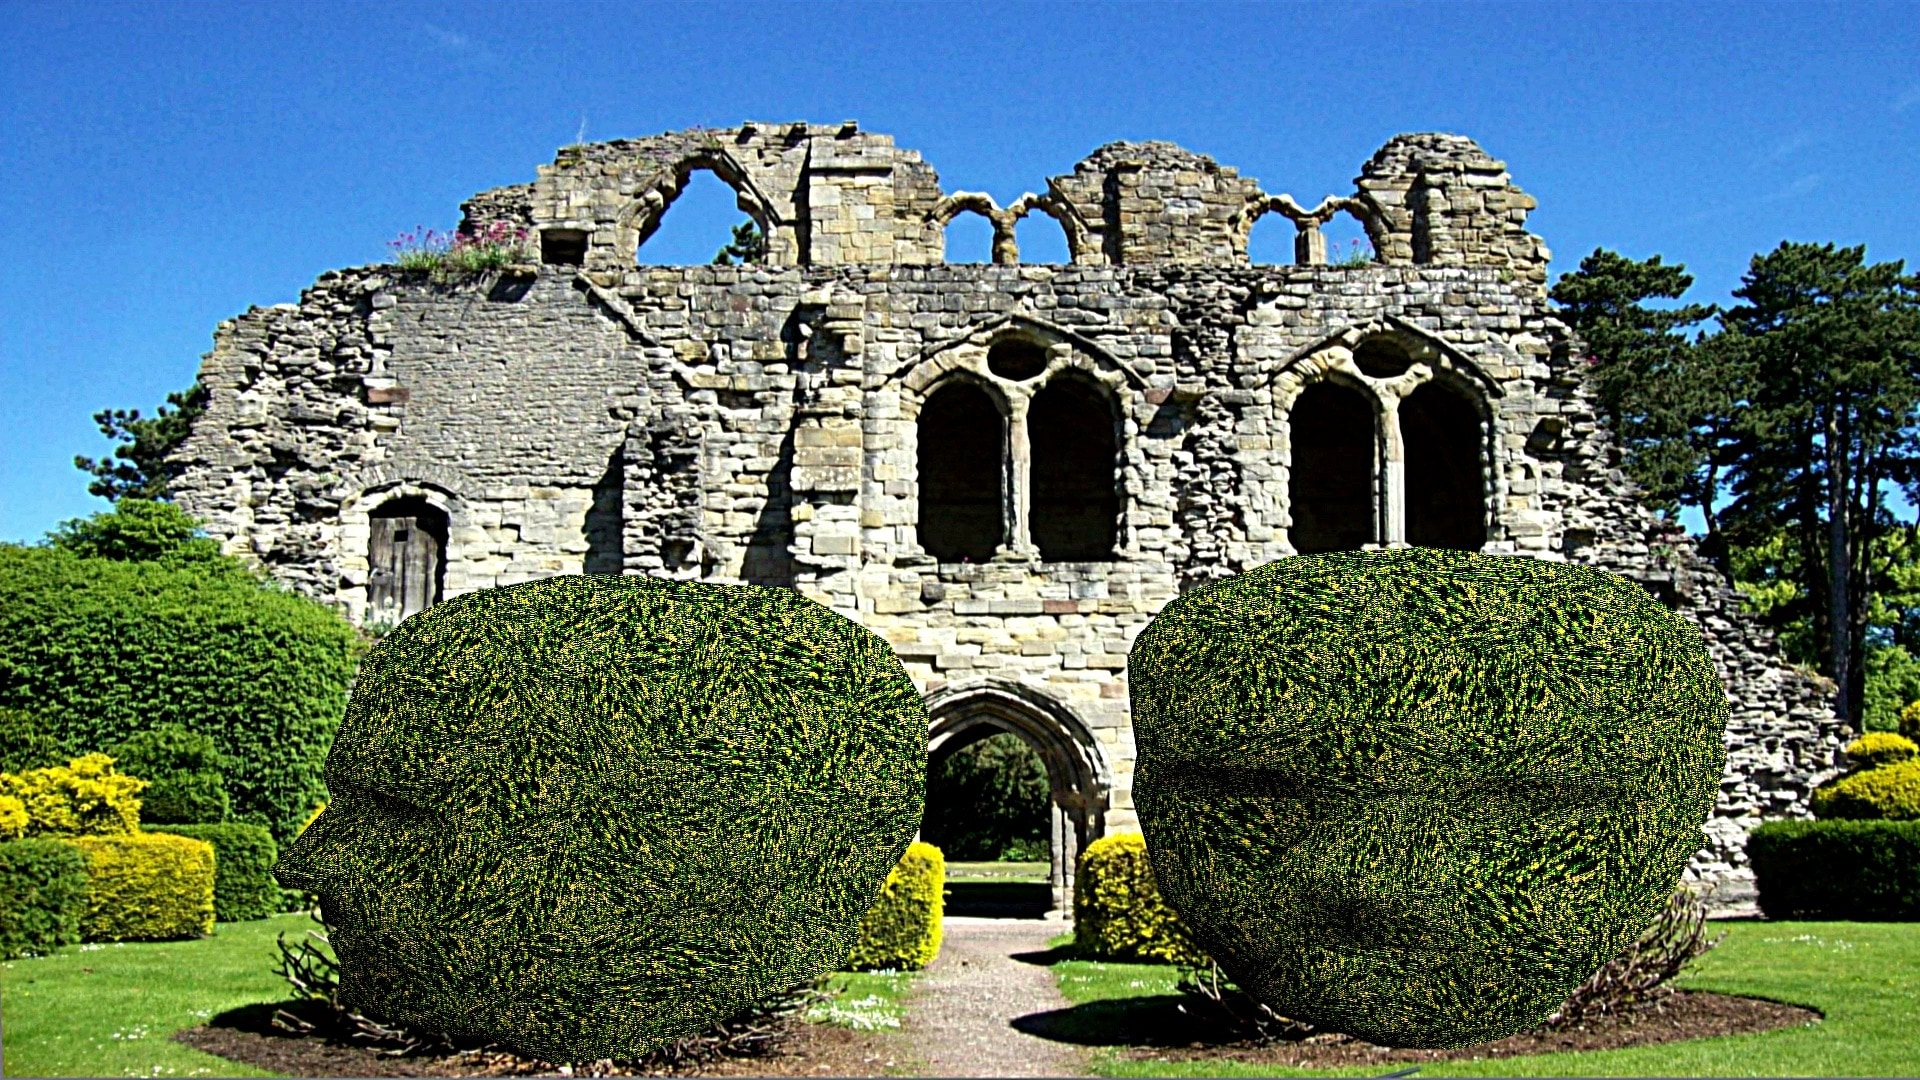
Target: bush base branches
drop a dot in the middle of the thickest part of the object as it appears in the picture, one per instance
(1637, 977)
(1643, 973)
(314, 974)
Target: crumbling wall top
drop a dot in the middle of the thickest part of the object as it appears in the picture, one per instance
(828, 195)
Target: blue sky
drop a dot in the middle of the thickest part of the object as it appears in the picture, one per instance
(171, 165)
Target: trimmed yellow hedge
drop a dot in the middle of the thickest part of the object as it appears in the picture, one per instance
(902, 929)
(147, 887)
(1891, 792)
(1117, 910)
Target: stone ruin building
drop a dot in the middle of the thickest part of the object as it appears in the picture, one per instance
(1004, 469)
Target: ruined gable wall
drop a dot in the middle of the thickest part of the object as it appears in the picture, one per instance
(757, 423)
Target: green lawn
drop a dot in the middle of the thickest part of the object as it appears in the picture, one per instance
(107, 1010)
(998, 871)
(1864, 977)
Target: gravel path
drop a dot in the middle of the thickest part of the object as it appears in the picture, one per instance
(961, 1012)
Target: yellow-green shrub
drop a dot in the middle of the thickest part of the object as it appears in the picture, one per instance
(1891, 792)
(147, 887)
(902, 929)
(1910, 721)
(84, 797)
(1117, 910)
(13, 818)
(1877, 749)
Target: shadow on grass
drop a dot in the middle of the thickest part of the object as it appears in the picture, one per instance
(1048, 958)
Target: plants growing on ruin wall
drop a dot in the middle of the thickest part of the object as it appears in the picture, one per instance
(452, 256)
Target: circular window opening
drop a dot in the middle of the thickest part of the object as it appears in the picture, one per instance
(1016, 359)
(1381, 358)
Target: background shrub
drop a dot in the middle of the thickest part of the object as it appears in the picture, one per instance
(1843, 870)
(182, 770)
(27, 743)
(1891, 792)
(1909, 722)
(988, 801)
(902, 929)
(1880, 748)
(243, 858)
(147, 887)
(13, 818)
(43, 894)
(103, 649)
(301, 899)
(83, 797)
(1117, 910)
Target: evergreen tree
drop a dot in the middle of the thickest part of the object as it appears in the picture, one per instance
(749, 245)
(1831, 350)
(139, 466)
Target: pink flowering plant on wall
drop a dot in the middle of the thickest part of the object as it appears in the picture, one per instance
(449, 255)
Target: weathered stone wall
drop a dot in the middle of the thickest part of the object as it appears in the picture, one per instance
(760, 424)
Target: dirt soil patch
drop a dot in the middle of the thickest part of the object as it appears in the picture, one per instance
(1682, 1016)
(248, 1036)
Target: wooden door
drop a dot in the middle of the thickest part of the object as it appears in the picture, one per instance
(404, 568)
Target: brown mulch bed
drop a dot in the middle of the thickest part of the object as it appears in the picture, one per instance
(1681, 1016)
(248, 1036)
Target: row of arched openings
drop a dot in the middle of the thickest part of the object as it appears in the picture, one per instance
(698, 227)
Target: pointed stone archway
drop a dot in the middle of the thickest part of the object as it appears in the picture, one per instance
(1078, 777)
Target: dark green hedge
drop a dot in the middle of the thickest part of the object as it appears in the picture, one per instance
(1863, 871)
(101, 649)
(43, 893)
(243, 858)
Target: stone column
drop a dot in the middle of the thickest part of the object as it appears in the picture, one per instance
(1018, 476)
(1309, 245)
(1394, 525)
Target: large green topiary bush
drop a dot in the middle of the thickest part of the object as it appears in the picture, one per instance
(586, 815)
(1419, 795)
(101, 649)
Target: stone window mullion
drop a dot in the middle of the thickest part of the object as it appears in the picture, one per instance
(1019, 474)
(1394, 476)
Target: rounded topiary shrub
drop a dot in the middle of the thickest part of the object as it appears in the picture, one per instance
(1117, 910)
(1880, 748)
(587, 815)
(101, 649)
(901, 931)
(1418, 796)
(1891, 792)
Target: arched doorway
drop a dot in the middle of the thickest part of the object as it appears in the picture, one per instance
(406, 558)
(1078, 780)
